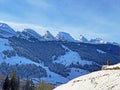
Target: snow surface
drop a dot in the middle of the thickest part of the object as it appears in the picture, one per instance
(4, 45)
(98, 41)
(71, 57)
(63, 36)
(75, 72)
(54, 78)
(112, 66)
(33, 33)
(18, 60)
(51, 78)
(82, 39)
(48, 36)
(6, 31)
(100, 80)
(100, 51)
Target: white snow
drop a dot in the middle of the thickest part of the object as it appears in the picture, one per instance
(6, 31)
(116, 66)
(33, 33)
(66, 48)
(100, 51)
(63, 36)
(48, 36)
(100, 80)
(72, 57)
(98, 41)
(4, 45)
(82, 39)
(18, 60)
(75, 72)
(54, 78)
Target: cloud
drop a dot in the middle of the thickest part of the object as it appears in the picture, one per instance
(42, 4)
(21, 26)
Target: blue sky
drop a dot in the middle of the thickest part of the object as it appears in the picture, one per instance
(91, 18)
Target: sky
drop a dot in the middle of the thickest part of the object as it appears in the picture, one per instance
(90, 18)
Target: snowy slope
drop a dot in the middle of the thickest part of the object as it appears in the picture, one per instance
(76, 72)
(4, 45)
(18, 60)
(98, 41)
(111, 67)
(72, 57)
(6, 31)
(100, 51)
(100, 80)
(82, 39)
(54, 78)
(51, 76)
(63, 36)
(48, 36)
(28, 33)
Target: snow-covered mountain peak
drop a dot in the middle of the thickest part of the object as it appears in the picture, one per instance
(63, 36)
(98, 41)
(31, 31)
(6, 31)
(28, 33)
(3, 25)
(82, 39)
(48, 36)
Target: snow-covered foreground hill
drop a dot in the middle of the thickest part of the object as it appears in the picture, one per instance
(100, 80)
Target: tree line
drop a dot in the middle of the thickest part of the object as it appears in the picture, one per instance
(13, 82)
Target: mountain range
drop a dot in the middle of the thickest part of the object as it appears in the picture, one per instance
(53, 59)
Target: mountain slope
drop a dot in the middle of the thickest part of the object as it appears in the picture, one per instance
(48, 36)
(100, 80)
(30, 34)
(63, 36)
(63, 59)
(6, 31)
(98, 41)
(83, 39)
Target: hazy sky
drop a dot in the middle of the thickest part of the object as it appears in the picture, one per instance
(91, 18)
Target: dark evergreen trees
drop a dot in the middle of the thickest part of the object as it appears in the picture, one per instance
(29, 85)
(108, 62)
(14, 81)
(45, 86)
(6, 84)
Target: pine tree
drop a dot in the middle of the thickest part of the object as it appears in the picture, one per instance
(108, 62)
(45, 86)
(14, 81)
(29, 85)
(6, 84)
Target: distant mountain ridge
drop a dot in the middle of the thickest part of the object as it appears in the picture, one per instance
(55, 59)
(7, 31)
